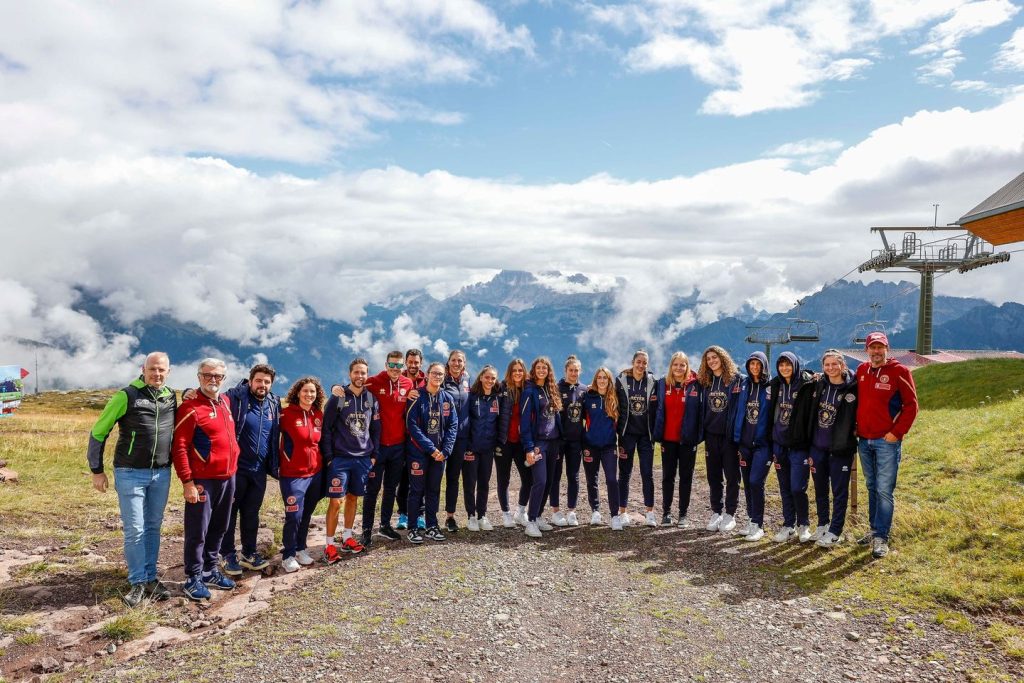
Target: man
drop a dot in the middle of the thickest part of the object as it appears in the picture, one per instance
(886, 408)
(350, 445)
(205, 454)
(144, 412)
(413, 365)
(391, 389)
(256, 412)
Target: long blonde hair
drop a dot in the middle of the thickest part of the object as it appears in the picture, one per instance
(550, 384)
(729, 370)
(668, 373)
(611, 398)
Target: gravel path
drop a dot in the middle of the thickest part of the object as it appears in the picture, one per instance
(582, 603)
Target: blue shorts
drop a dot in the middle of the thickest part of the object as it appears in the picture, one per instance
(347, 475)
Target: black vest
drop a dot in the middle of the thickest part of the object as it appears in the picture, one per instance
(146, 429)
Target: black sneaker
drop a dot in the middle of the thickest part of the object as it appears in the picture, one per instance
(434, 534)
(158, 591)
(451, 526)
(666, 520)
(387, 532)
(135, 596)
(415, 536)
(367, 538)
(865, 539)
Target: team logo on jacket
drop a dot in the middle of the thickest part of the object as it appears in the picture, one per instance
(434, 425)
(199, 488)
(356, 424)
(884, 379)
(785, 412)
(291, 500)
(850, 398)
(637, 405)
(574, 412)
(826, 415)
(717, 401)
(494, 406)
(415, 465)
(316, 422)
(299, 422)
(212, 414)
(403, 392)
(753, 412)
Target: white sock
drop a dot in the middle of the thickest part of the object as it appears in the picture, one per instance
(330, 539)
(522, 509)
(345, 535)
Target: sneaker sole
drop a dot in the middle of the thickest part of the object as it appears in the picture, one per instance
(233, 572)
(194, 598)
(252, 567)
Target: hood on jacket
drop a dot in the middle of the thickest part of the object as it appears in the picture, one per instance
(794, 361)
(759, 356)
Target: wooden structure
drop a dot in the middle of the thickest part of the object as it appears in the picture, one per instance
(1000, 218)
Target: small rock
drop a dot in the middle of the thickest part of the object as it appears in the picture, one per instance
(798, 624)
(111, 649)
(46, 665)
(8, 475)
(836, 616)
(73, 656)
(849, 675)
(852, 636)
(501, 618)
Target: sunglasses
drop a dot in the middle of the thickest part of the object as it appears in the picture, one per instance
(396, 366)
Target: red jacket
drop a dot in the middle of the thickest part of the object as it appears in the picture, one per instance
(418, 382)
(392, 396)
(300, 436)
(204, 444)
(886, 400)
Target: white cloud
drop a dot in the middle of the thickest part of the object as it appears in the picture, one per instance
(477, 326)
(809, 151)
(1011, 53)
(510, 345)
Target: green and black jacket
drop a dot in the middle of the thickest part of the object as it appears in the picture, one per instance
(146, 420)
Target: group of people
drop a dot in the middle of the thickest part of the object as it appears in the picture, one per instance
(398, 434)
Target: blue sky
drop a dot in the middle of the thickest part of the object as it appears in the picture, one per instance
(195, 159)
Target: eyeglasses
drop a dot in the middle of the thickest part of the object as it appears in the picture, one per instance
(212, 376)
(395, 366)
(437, 374)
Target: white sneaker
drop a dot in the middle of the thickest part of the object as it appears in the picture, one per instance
(714, 522)
(684, 523)
(485, 524)
(558, 519)
(596, 518)
(651, 519)
(818, 533)
(756, 533)
(785, 533)
(803, 533)
(304, 558)
(507, 520)
(290, 564)
(543, 525)
(571, 519)
(532, 531)
(617, 523)
(520, 518)
(827, 540)
(728, 523)
(743, 530)
(624, 519)
(472, 524)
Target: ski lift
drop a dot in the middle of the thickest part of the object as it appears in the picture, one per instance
(862, 330)
(801, 330)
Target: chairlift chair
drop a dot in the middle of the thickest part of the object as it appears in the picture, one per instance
(862, 330)
(804, 330)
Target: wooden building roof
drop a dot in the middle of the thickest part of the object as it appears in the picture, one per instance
(1000, 218)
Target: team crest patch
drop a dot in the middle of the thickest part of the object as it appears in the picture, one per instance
(826, 414)
(316, 422)
(291, 500)
(199, 488)
(574, 412)
(335, 482)
(785, 412)
(494, 407)
(382, 392)
(213, 414)
(850, 398)
(717, 401)
(403, 392)
(415, 465)
(434, 425)
(736, 389)
(637, 405)
(371, 475)
(883, 379)
(753, 412)
(356, 424)
(298, 423)
(693, 392)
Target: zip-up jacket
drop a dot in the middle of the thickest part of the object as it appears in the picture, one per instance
(691, 432)
(538, 419)
(432, 423)
(649, 396)
(508, 412)
(351, 426)
(888, 400)
(146, 419)
(719, 400)
(241, 398)
(753, 406)
(300, 442)
(205, 446)
(484, 411)
(805, 411)
(418, 382)
(599, 430)
(393, 396)
(783, 395)
(459, 389)
(572, 409)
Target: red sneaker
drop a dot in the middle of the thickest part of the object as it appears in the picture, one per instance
(331, 555)
(351, 545)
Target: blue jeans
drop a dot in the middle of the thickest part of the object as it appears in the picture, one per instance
(880, 461)
(142, 494)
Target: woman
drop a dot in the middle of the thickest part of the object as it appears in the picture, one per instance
(571, 447)
(827, 411)
(432, 422)
(677, 427)
(600, 419)
(751, 433)
(540, 431)
(510, 449)
(719, 380)
(299, 468)
(637, 397)
(456, 383)
(478, 460)
(790, 455)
